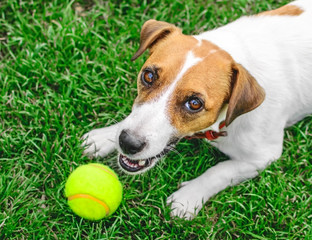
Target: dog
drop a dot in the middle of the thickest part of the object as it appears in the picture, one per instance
(238, 86)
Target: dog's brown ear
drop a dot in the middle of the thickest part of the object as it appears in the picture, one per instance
(246, 93)
(152, 31)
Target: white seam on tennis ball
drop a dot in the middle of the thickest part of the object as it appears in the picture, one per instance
(81, 195)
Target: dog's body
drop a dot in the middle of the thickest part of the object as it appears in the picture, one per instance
(254, 74)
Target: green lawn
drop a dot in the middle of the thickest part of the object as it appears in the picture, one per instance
(66, 69)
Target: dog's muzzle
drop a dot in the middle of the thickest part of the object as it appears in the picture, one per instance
(130, 145)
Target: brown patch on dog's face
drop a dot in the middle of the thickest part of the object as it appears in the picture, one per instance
(287, 10)
(165, 62)
(209, 81)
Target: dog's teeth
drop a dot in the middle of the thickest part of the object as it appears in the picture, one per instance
(142, 163)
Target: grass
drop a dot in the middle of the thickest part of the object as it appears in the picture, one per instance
(66, 69)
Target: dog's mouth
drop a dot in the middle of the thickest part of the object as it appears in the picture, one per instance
(136, 166)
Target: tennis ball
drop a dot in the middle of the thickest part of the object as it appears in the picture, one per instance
(93, 191)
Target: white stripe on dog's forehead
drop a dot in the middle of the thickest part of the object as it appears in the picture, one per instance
(190, 61)
(161, 101)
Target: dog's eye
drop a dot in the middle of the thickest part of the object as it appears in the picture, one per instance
(148, 77)
(194, 104)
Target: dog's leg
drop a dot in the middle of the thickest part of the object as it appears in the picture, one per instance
(189, 199)
(100, 142)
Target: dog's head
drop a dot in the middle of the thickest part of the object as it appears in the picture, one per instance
(183, 87)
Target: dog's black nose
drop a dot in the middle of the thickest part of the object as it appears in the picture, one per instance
(130, 144)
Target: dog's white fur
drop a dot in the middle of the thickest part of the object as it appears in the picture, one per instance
(277, 52)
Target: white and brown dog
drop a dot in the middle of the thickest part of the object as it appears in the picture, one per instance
(239, 86)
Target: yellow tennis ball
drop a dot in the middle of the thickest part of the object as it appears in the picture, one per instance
(93, 191)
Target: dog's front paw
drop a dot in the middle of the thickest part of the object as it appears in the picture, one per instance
(187, 201)
(99, 142)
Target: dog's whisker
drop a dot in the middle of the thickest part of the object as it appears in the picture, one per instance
(174, 150)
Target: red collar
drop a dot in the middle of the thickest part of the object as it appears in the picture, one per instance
(210, 134)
